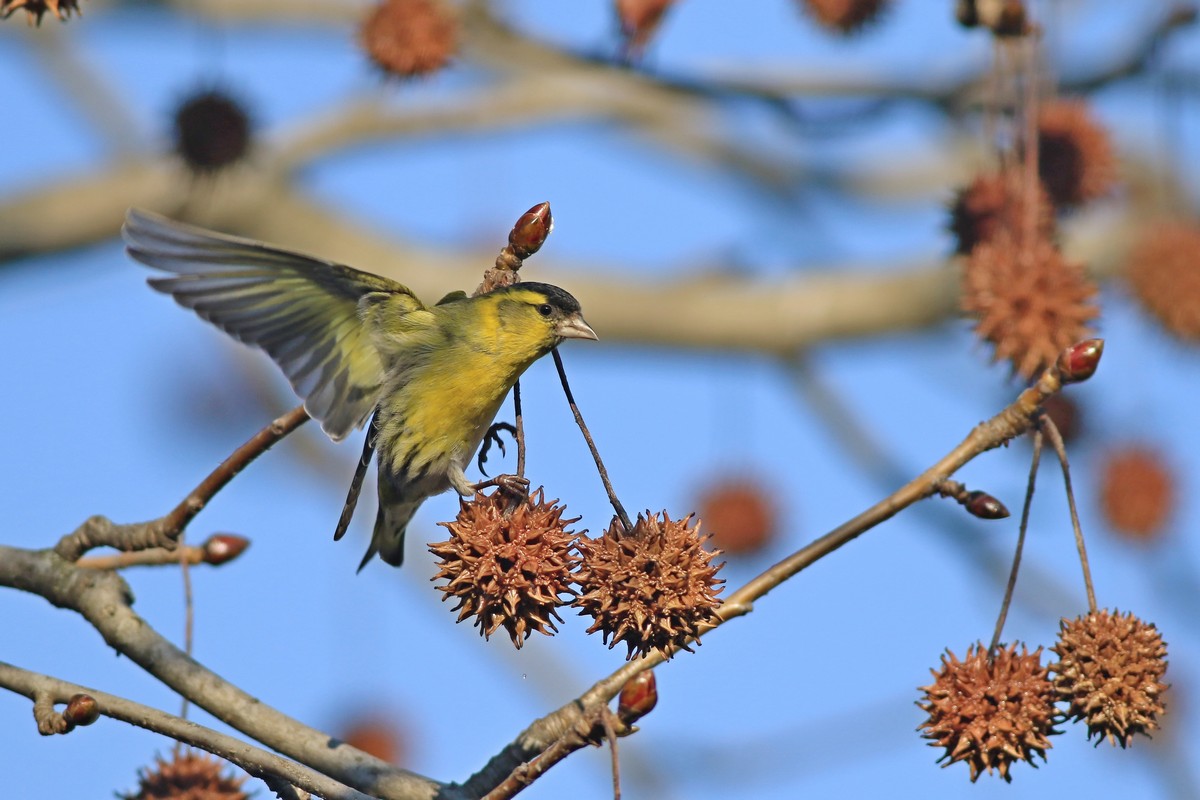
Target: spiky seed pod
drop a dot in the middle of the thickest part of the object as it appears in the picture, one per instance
(212, 131)
(1075, 157)
(1164, 271)
(1030, 302)
(992, 203)
(739, 514)
(990, 713)
(1110, 673)
(407, 38)
(639, 19)
(1137, 492)
(508, 568)
(845, 17)
(654, 588)
(35, 9)
(188, 775)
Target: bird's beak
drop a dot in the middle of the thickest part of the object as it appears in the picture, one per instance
(573, 327)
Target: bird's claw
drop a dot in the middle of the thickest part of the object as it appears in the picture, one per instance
(493, 435)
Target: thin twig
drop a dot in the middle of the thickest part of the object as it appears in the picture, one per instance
(239, 459)
(1047, 426)
(611, 735)
(520, 435)
(587, 436)
(154, 557)
(1022, 528)
(189, 617)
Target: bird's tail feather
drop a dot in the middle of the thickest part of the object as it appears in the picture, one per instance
(356, 484)
(391, 521)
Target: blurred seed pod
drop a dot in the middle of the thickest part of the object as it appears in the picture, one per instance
(408, 38)
(993, 203)
(739, 515)
(845, 17)
(1137, 492)
(1109, 672)
(1075, 157)
(990, 713)
(382, 736)
(1164, 272)
(639, 20)
(654, 588)
(1066, 416)
(212, 131)
(35, 9)
(189, 774)
(508, 566)
(1029, 301)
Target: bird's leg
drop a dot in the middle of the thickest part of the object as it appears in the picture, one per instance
(493, 435)
(461, 483)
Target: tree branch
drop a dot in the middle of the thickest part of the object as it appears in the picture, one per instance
(253, 760)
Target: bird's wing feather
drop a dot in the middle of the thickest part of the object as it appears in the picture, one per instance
(304, 312)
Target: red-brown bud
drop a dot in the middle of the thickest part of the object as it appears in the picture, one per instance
(531, 230)
(984, 506)
(222, 547)
(638, 697)
(1079, 361)
(81, 710)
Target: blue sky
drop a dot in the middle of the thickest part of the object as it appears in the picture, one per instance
(118, 403)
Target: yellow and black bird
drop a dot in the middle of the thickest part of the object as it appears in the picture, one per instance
(357, 346)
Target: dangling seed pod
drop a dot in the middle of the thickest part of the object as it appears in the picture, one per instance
(1137, 492)
(1075, 157)
(654, 588)
(1110, 673)
(409, 38)
(740, 515)
(1164, 272)
(212, 131)
(993, 203)
(1030, 302)
(508, 567)
(990, 713)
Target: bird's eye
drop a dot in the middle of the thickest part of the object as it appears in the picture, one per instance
(545, 309)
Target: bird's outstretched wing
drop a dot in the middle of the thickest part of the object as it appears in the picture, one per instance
(304, 312)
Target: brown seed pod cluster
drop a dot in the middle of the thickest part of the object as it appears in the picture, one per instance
(1137, 492)
(1075, 157)
(653, 588)
(1164, 272)
(188, 774)
(36, 9)
(994, 203)
(212, 131)
(990, 712)
(845, 17)
(508, 565)
(1028, 300)
(407, 38)
(1109, 672)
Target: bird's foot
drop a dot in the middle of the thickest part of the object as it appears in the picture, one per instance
(514, 485)
(493, 435)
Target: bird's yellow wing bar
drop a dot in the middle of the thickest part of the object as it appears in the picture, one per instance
(304, 312)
